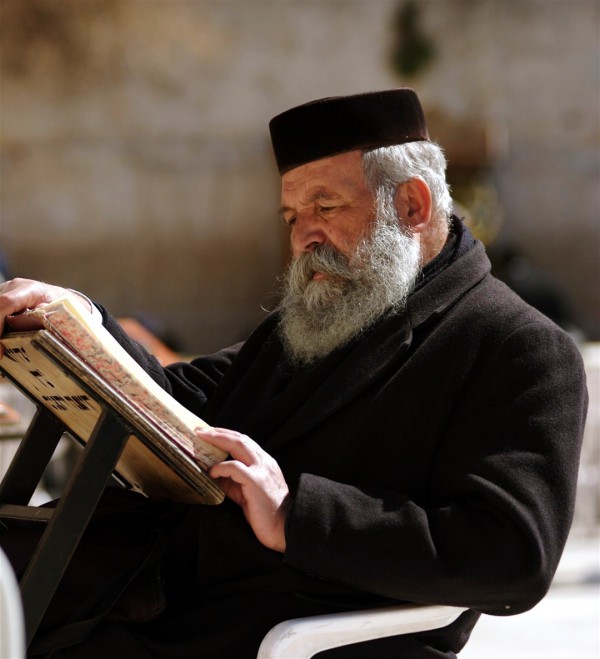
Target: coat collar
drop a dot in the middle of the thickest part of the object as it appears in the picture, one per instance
(442, 292)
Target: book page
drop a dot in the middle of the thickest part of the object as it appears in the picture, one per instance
(101, 351)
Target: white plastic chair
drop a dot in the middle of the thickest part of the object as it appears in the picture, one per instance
(12, 624)
(302, 638)
(299, 638)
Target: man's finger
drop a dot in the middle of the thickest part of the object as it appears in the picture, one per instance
(231, 489)
(235, 470)
(239, 446)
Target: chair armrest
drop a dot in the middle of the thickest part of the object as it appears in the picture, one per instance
(302, 638)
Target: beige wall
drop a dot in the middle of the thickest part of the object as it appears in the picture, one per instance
(135, 156)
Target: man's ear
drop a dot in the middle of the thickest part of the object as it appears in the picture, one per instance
(413, 204)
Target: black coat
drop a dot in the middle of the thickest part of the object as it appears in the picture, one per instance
(434, 459)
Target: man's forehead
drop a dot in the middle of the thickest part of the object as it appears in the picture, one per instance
(307, 196)
(327, 176)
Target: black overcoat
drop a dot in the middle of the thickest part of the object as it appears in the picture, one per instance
(434, 459)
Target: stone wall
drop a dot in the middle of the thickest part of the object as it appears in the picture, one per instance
(135, 156)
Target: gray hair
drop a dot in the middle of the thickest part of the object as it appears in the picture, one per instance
(386, 167)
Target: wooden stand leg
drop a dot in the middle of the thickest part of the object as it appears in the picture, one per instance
(71, 518)
(32, 457)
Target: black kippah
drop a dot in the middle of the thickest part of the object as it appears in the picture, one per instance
(337, 124)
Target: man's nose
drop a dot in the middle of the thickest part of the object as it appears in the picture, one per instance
(307, 235)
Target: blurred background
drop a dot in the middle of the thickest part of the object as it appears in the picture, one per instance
(136, 166)
(136, 163)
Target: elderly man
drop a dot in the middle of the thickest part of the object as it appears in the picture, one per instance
(402, 427)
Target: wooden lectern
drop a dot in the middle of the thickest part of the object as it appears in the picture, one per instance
(72, 398)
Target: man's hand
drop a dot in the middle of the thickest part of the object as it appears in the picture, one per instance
(254, 481)
(18, 295)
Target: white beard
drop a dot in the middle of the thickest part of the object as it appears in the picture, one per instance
(318, 316)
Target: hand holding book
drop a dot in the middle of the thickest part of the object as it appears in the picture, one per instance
(19, 296)
(179, 455)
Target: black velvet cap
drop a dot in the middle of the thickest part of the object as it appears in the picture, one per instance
(334, 125)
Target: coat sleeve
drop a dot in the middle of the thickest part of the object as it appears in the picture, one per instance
(501, 492)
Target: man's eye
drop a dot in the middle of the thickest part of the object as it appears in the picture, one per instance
(289, 221)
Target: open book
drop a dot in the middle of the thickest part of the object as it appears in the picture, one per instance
(74, 367)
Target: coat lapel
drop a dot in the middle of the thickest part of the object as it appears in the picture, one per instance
(359, 366)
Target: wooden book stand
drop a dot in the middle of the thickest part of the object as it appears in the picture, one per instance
(72, 398)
